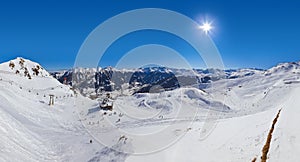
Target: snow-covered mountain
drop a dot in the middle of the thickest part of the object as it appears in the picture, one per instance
(91, 80)
(292, 67)
(229, 120)
(24, 67)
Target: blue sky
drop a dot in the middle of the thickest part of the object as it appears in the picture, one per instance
(247, 33)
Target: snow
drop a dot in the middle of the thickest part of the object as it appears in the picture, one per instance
(286, 144)
(30, 129)
(232, 140)
(229, 121)
(21, 65)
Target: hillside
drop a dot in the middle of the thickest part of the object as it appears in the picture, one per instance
(229, 119)
(24, 67)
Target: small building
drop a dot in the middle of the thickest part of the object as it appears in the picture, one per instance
(106, 104)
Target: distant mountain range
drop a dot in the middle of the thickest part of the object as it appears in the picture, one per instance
(150, 79)
(92, 81)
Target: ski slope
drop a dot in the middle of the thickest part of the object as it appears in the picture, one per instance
(229, 121)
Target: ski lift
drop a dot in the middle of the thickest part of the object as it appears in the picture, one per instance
(51, 102)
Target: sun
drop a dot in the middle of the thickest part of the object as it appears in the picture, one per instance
(206, 27)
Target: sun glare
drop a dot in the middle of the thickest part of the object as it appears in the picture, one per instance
(206, 27)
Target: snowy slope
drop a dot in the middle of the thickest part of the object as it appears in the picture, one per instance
(141, 126)
(24, 67)
(292, 67)
(235, 139)
(286, 143)
(242, 136)
(30, 129)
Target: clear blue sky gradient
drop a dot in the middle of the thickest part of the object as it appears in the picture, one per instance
(247, 33)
